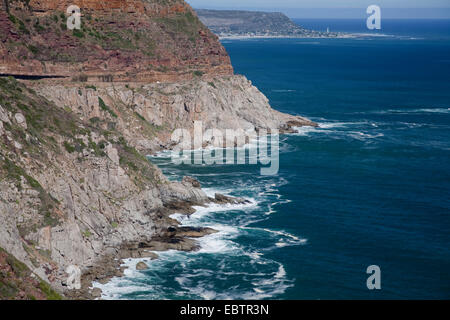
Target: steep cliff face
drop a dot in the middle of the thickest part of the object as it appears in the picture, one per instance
(71, 192)
(156, 110)
(75, 185)
(121, 40)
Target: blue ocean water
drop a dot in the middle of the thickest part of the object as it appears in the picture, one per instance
(370, 186)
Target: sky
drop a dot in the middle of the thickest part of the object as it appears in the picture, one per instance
(335, 8)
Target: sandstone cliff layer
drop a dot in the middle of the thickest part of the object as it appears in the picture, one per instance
(120, 40)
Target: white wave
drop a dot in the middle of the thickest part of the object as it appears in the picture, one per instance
(418, 110)
(283, 90)
(307, 42)
(433, 110)
(325, 126)
(364, 136)
(330, 125)
(281, 273)
(261, 279)
(304, 131)
(117, 287)
(341, 130)
(284, 239)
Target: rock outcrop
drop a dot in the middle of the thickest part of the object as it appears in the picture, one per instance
(157, 109)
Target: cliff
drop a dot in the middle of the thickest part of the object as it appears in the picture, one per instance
(148, 114)
(133, 40)
(76, 187)
(72, 192)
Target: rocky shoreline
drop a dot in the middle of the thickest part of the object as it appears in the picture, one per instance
(175, 237)
(76, 189)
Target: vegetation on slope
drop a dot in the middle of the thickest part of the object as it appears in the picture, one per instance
(52, 132)
(17, 282)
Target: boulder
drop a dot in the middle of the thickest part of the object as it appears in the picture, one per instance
(96, 292)
(20, 120)
(189, 181)
(148, 254)
(141, 266)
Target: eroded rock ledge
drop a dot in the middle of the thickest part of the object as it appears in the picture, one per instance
(174, 237)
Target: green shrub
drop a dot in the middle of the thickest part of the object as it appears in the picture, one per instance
(198, 73)
(49, 292)
(104, 107)
(78, 33)
(69, 148)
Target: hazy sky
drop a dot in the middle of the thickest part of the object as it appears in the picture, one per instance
(335, 8)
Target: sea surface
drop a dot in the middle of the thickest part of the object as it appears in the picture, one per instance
(369, 186)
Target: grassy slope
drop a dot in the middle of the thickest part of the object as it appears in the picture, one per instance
(18, 282)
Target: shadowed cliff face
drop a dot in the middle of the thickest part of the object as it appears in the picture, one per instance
(119, 40)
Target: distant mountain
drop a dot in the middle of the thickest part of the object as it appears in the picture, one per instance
(252, 23)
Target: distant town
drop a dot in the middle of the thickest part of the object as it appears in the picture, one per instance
(253, 24)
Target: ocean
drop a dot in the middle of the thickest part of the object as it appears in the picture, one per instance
(369, 186)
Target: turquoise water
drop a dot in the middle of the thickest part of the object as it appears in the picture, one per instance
(370, 186)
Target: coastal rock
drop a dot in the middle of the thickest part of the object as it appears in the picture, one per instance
(141, 266)
(189, 181)
(171, 243)
(224, 103)
(134, 252)
(96, 292)
(194, 232)
(222, 199)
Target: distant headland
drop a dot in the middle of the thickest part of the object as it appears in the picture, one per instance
(254, 24)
